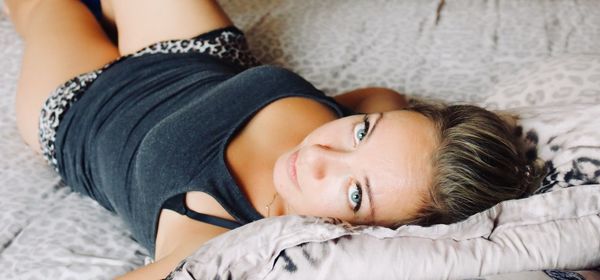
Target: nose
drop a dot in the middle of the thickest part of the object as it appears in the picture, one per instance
(323, 161)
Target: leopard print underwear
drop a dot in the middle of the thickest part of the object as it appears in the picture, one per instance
(228, 44)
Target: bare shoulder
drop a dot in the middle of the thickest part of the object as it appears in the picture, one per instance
(300, 113)
(302, 107)
(370, 100)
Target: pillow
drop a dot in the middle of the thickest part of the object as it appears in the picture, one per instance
(515, 235)
(545, 96)
(567, 138)
(558, 228)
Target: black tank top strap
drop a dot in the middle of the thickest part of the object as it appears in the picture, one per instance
(177, 204)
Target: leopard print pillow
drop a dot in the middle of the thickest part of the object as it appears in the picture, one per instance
(567, 139)
(558, 105)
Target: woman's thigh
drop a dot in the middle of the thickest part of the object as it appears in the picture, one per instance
(62, 40)
(143, 22)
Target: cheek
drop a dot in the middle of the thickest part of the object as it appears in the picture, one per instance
(280, 177)
(315, 201)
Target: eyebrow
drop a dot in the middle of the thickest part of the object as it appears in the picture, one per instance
(367, 185)
(372, 130)
(371, 206)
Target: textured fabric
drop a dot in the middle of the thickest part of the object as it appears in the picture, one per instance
(157, 125)
(560, 80)
(563, 275)
(542, 231)
(56, 106)
(337, 45)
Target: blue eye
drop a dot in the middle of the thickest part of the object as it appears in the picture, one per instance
(360, 134)
(362, 129)
(355, 197)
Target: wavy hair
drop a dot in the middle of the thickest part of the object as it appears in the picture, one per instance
(478, 163)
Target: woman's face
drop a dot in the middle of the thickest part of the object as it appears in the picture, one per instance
(366, 171)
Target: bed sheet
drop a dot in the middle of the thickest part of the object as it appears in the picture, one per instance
(455, 50)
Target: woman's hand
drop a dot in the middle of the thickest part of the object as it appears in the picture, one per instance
(374, 99)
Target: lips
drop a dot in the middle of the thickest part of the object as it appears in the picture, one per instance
(292, 169)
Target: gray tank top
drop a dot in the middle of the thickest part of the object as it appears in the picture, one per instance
(155, 127)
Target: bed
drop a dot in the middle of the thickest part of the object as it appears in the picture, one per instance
(499, 54)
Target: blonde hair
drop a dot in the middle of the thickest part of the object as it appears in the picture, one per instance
(477, 164)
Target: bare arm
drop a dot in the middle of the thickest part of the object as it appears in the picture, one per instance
(156, 270)
(590, 274)
(370, 100)
(187, 243)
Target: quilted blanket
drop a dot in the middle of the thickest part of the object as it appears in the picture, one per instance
(454, 50)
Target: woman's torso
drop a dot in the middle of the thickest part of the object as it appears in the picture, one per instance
(208, 120)
(263, 138)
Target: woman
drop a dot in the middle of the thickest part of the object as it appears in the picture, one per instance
(188, 138)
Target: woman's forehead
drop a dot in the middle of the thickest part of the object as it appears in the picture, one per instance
(400, 143)
(399, 162)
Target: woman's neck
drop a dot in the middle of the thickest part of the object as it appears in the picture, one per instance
(255, 176)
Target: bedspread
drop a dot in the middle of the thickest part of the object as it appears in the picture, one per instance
(455, 50)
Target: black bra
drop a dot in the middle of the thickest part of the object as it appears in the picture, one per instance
(177, 204)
